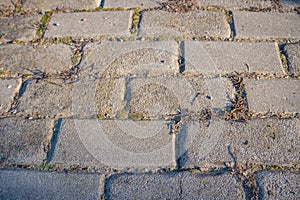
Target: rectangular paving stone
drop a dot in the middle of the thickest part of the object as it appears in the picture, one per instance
(7, 4)
(24, 141)
(265, 25)
(264, 141)
(113, 143)
(278, 185)
(42, 5)
(86, 24)
(176, 185)
(25, 184)
(18, 60)
(236, 4)
(273, 95)
(293, 57)
(227, 57)
(156, 98)
(8, 89)
(193, 24)
(131, 3)
(19, 27)
(130, 59)
(46, 99)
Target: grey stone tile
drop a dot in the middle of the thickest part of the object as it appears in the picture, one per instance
(132, 3)
(7, 4)
(265, 141)
(20, 184)
(278, 185)
(24, 141)
(114, 143)
(266, 25)
(19, 27)
(273, 95)
(293, 57)
(24, 59)
(41, 5)
(86, 24)
(193, 24)
(227, 57)
(8, 88)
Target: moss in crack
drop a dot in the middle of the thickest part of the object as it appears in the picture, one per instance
(4, 72)
(136, 116)
(284, 61)
(135, 19)
(43, 24)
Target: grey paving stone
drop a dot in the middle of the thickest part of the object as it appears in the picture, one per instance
(293, 57)
(42, 5)
(24, 141)
(130, 59)
(18, 60)
(7, 4)
(176, 185)
(25, 184)
(265, 141)
(227, 57)
(264, 25)
(273, 95)
(193, 24)
(278, 185)
(86, 24)
(131, 4)
(8, 89)
(19, 27)
(237, 4)
(114, 143)
(46, 99)
(158, 97)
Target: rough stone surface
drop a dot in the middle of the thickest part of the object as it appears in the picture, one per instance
(265, 141)
(227, 57)
(20, 184)
(19, 27)
(86, 24)
(24, 141)
(8, 89)
(237, 4)
(113, 143)
(46, 98)
(293, 57)
(42, 5)
(159, 97)
(178, 185)
(194, 24)
(278, 185)
(273, 95)
(18, 60)
(266, 25)
(7, 4)
(132, 3)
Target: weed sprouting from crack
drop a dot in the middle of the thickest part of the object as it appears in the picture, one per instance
(43, 24)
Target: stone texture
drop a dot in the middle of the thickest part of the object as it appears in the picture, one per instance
(20, 184)
(114, 143)
(24, 141)
(194, 24)
(19, 59)
(293, 57)
(86, 24)
(46, 98)
(266, 25)
(8, 90)
(19, 27)
(132, 3)
(273, 95)
(42, 5)
(7, 4)
(265, 141)
(237, 4)
(159, 97)
(227, 57)
(278, 185)
(129, 59)
(177, 185)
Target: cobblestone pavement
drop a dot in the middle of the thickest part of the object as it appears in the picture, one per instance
(114, 99)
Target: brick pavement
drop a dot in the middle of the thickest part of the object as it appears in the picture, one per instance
(120, 99)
